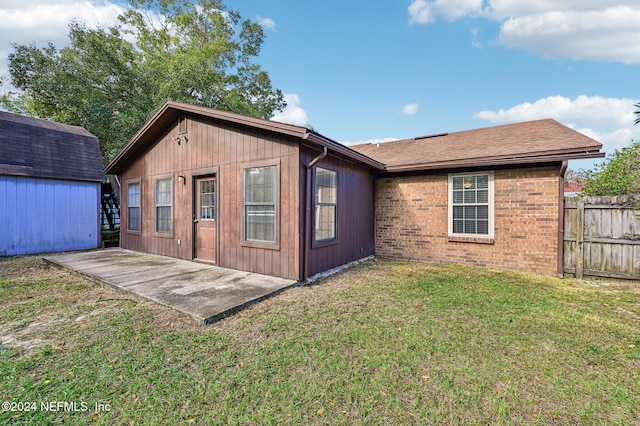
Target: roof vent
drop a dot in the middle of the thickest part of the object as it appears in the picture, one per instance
(182, 124)
(437, 135)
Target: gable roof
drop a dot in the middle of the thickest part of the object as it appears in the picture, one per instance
(169, 113)
(537, 141)
(529, 142)
(39, 148)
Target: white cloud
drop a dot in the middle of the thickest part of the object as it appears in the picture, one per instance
(614, 140)
(40, 22)
(501, 9)
(425, 11)
(43, 20)
(475, 33)
(266, 22)
(421, 12)
(610, 35)
(293, 113)
(371, 141)
(561, 29)
(583, 111)
(410, 109)
(607, 120)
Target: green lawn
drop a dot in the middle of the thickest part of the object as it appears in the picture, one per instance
(382, 343)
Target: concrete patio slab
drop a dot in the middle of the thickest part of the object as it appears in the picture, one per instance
(206, 293)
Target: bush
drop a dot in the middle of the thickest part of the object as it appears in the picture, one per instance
(619, 175)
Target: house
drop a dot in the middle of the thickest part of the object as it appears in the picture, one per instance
(272, 198)
(490, 197)
(244, 193)
(50, 176)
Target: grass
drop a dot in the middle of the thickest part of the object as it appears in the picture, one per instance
(382, 343)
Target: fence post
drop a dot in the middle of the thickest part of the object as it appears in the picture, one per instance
(580, 239)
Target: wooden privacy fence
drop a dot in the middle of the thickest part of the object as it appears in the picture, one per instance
(602, 236)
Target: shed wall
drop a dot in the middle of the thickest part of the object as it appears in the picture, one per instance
(411, 221)
(43, 215)
(214, 147)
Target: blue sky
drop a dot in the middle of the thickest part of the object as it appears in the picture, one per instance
(365, 71)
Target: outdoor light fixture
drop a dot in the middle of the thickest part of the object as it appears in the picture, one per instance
(180, 139)
(182, 179)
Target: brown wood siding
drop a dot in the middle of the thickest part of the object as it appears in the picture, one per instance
(222, 149)
(355, 214)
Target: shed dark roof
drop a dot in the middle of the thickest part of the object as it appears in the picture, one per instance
(520, 143)
(169, 113)
(39, 148)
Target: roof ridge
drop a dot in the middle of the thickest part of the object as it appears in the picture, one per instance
(176, 109)
(512, 142)
(43, 123)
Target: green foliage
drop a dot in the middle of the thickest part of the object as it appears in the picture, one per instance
(382, 343)
(620, 175)
(194, 53)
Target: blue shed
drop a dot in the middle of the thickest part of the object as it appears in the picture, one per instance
(50, 181)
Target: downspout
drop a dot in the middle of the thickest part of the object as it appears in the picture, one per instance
(306, 247)
(563, 169)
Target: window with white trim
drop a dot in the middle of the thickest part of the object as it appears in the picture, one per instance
(260, 204)
(133, 206)
(471, 205)
(164, 206)
(326, 203)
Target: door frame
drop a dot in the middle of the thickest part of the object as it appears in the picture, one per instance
(195, 213)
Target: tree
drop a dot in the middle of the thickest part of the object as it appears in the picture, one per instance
(195, 53)
(574, 180)
(637, 113)
(619, 175)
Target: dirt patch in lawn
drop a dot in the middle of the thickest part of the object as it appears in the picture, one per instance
(23, 338)
(44, 305)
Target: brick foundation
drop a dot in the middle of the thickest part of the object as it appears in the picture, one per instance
(411, 222)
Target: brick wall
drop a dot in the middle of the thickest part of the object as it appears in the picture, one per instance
(411, 221)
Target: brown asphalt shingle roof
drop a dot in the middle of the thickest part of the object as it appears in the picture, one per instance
(39, 148)
(522, 143)
(529, 142)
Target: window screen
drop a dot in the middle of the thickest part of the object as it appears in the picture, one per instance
(260, 204)
(164, 199)
(133, 206)
(326, 203)
(470, 204)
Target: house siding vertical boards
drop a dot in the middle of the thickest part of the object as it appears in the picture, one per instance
(355, 214)
(411, 221)
(223, 149)
(46, 215)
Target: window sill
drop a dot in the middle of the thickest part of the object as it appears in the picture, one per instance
(163, 234)
(324, 243)
(261, 245)
(475, 240)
